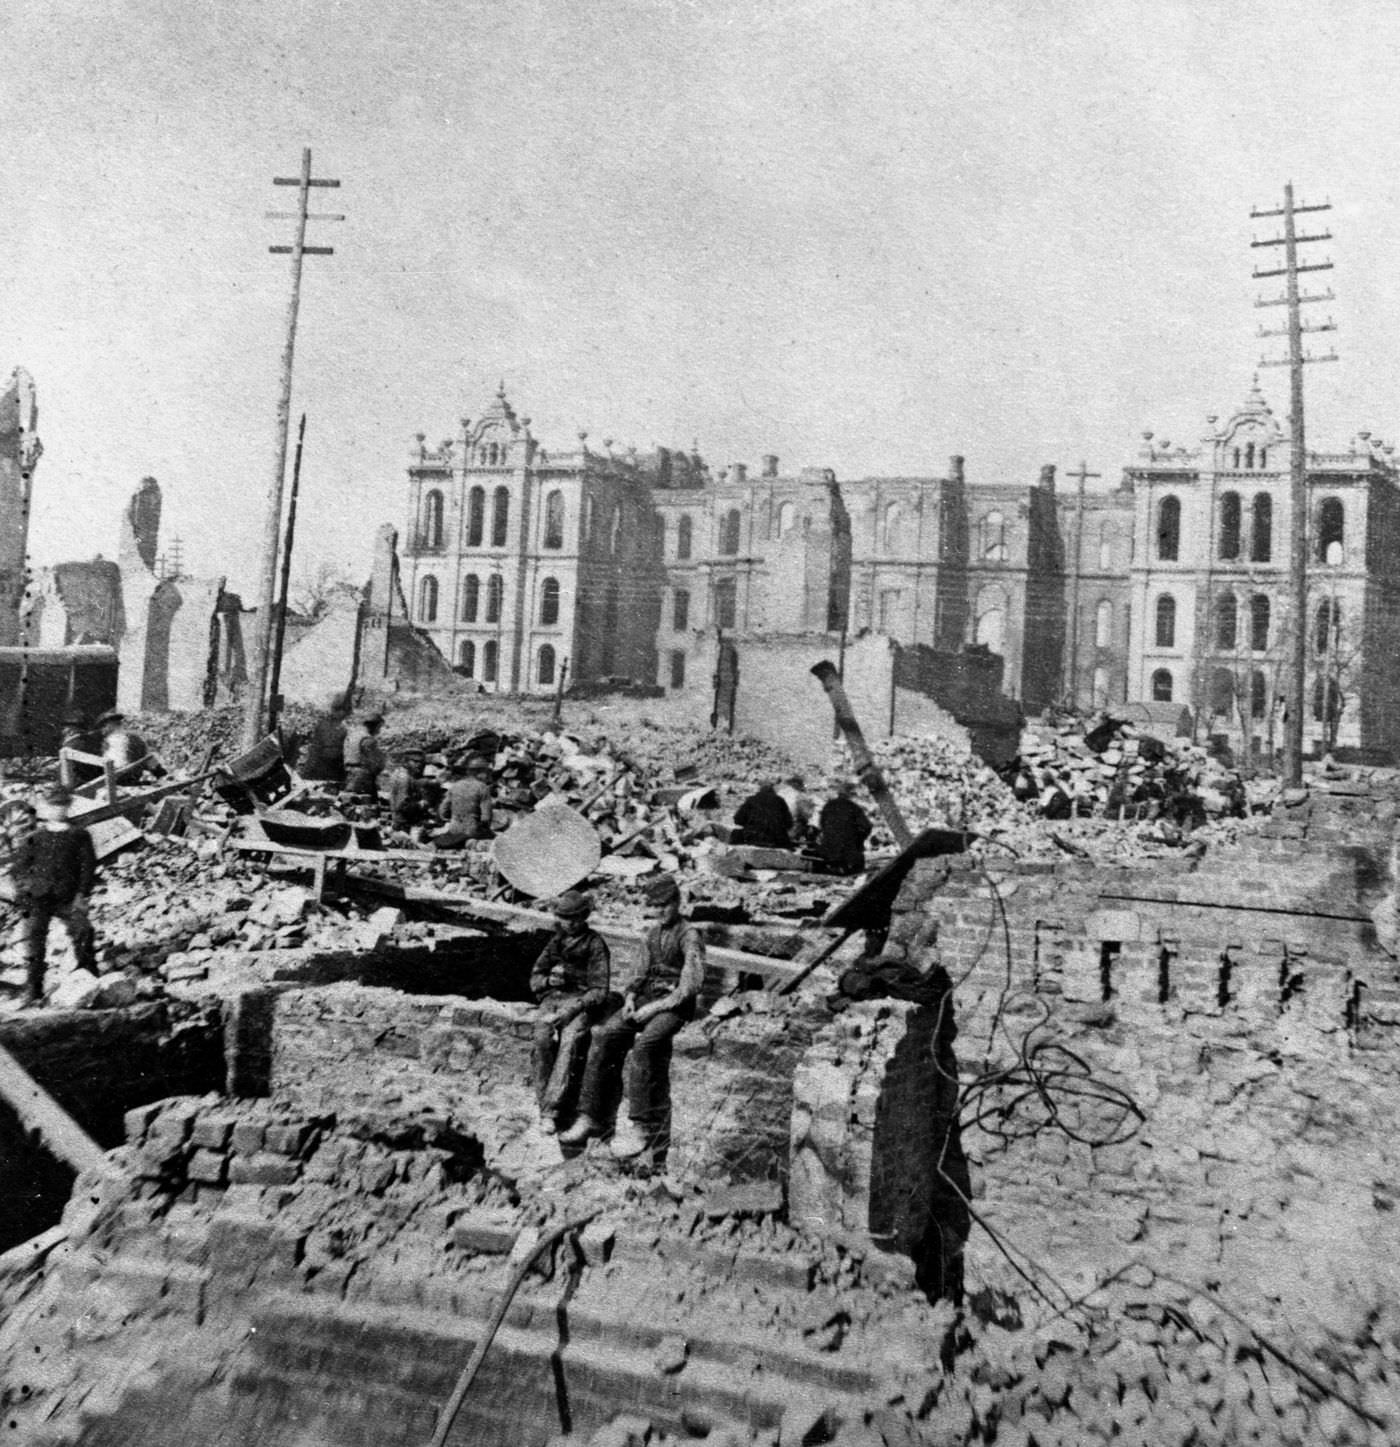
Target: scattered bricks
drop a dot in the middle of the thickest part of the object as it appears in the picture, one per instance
(209, 1167)
(137, 1122)
(176, 1119)
(596, 1242)
(262, 1170)
(287, 1139)
(484, 1235)
(751, 1198)
(212, 1132)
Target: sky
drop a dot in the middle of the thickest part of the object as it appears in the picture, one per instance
(861, 236)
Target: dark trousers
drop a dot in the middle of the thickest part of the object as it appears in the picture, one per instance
(38, 914)
(649, 1098)
(560, 1050)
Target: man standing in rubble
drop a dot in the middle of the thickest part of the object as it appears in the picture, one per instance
(364, 756)
(324, 755)
(56, 868)
(659, 1002)
(466, 807)
(842, 832)
(571, 983)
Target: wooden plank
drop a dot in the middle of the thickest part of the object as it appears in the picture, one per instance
(626, 942)
(266, 846)
(39, 1112)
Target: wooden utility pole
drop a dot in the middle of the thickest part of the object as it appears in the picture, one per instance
(274, 695)
(1082, 476)
(1298, 471)
(254, 712)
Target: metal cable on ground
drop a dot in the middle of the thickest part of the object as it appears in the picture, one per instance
(464, 1382)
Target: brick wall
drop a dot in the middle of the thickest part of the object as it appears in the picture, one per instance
(1255, 1036)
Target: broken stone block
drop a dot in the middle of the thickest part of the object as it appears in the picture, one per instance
(670, 1354)
(262, 1170)
(247, 1138)
(484, 1235)
(208, 1167)
(212, 1132)
(596, 1242)
(749, 1198)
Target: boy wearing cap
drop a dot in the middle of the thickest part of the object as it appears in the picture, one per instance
(57, 866)
(364, 756)
(571, 983)
(660, 1001)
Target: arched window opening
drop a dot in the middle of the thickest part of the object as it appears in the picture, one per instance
(1166, 621)
(490, 661)
(991, 629)
(1249, 455)
(615, 531)
(726, 603)
(471, 596)
(495, 592)
(680, 611)
(500, 517)
(729, 533)
(1162, 686)
(1222, 692)
(993, 528)
(1106, 540)
(476, 516)
(892, 528)
(1329, 624)
(1259, 623)
(549, 602)
(1236, 463)
(1103, 624)
(684, 529)
(1327, 700)
(589, 517)
(1263, 458)
(1331, 527)
(428, 600)
(430, 535)
(466, 657)
(1100, 686)
(787, 516)
(1230, 516)
(1227, 621)
(544, 670)
(1262, 536)
(1169, 529)
(1258, 694)
(554, 520)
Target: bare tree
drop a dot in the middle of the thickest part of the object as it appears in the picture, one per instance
(317, 588)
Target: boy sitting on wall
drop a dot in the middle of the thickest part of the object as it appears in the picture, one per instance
(571, 982)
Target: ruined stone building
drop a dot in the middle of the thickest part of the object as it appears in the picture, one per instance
(1212, 614)
(518, 558)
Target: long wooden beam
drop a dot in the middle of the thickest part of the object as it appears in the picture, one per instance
(39, 1112)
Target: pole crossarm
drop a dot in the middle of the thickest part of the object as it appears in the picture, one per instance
(257, 699)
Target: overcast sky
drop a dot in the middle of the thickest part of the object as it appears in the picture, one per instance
(862, 236)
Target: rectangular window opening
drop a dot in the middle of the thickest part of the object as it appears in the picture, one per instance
(1109, 952)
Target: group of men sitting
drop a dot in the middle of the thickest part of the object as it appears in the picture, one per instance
(351, 756)
(781, 815)
(586, 1029)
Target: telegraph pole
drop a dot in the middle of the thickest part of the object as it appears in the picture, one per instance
(274, 696)
(1082, 476)
(1291, 269)
(253, 717)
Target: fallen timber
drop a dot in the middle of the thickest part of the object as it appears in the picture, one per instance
(625, 943)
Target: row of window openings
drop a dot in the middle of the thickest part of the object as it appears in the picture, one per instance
(1327, 623)
(495, 599)
(546, 661)
(1329, 530)
(1326, 693)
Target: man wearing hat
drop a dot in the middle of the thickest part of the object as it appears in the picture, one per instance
(82, 739)
(53, 879)
(324, 755)
(403, 789)
(659, 1002)
(124, 749)
(571, 983)
(466, 806)
(364, 755)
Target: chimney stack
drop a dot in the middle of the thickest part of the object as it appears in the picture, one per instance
(741, 472)
(770, 464)
(1047, 477)
(955, 468)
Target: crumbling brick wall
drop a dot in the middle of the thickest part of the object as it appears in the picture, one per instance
(1251, 1032)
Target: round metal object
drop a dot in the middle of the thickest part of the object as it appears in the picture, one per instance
(548, 851)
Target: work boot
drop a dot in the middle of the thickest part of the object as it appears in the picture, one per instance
(579, 1132)
(628, 1141)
